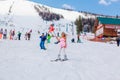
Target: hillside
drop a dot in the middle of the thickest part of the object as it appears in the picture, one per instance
(22, 13)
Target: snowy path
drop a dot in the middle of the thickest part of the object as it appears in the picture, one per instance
(23, 60)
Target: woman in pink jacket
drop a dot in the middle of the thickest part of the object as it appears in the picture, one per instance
(62, 42)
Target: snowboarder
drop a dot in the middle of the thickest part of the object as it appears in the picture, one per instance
(63, 45)
(42, 43)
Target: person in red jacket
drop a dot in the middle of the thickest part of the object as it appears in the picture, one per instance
(51, 28)
(1, 33)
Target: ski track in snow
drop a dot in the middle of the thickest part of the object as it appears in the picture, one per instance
(23, 60)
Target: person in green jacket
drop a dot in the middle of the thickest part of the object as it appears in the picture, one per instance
(48, 38)
(19, 35)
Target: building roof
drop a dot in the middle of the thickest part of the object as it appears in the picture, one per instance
(104, 20)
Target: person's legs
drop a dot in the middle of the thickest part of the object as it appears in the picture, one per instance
(48, 40)
(5, 36)
(59, 55)
(18, 37)
(65, 55)
(41, 43)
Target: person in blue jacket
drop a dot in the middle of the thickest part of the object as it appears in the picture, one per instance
(42, 42)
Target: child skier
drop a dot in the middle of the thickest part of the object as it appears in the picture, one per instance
(42, 43)
(48, 38)
(51, 30)
(63, 45)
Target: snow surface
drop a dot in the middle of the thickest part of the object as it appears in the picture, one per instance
(24, 60)
(20, 7)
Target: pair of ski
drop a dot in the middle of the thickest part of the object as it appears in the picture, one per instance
(61, 60)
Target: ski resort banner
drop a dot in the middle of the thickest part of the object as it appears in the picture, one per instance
(99, 31)
(112, 26)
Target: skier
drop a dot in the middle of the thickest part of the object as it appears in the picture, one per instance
(78, 38)
(63, 45)
(42, 43)
(29, 35)
(1, 33)
(118, 40)
(13, 34)
(48, 38)
(5, 34)
(19, 35)
(26, 36)
(51, 30)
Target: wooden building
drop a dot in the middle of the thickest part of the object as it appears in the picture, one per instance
(106, 27)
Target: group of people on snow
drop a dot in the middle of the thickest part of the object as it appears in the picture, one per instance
(61, 40)
(62, 56)
(13, 35)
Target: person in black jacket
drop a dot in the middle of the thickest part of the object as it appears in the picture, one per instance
(29, 35)
(42, 42)
(118, 40)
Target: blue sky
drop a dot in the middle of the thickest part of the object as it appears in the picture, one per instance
(106, 7)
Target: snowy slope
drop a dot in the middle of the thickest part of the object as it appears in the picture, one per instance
(21, 13)
(24, 7)
(70, 15)
(23, 60)
(20, 7)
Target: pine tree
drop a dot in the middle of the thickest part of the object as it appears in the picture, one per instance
(78, 23)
